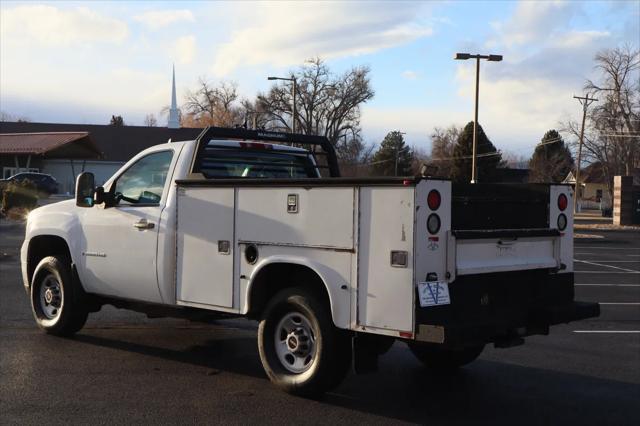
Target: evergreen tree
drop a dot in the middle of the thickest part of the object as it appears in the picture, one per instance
(488, 157)
(116, 120)
(551, 161)
(393, 149)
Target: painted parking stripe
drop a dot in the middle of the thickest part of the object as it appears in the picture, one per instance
(609, 285)
(606, 266)
(608, 331)
(612, 261)
(606, 272)
(620, 303)
(606, 248)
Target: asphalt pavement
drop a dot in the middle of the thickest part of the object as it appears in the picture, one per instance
(124, 368)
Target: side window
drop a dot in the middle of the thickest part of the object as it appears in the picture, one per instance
(143, 182)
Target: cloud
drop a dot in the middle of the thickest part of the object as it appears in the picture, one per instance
(417, 123)
(410, 75)
(156, 19)
(546, 61)
(535, 21)
(52, 26)
(183, 49)
(282, 34)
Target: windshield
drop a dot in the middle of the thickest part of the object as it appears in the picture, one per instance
(218, 163)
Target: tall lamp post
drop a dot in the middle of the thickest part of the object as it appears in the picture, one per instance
(491, 58)
(294, 90)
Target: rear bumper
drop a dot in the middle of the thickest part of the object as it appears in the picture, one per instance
(504, 334)
(502, 309)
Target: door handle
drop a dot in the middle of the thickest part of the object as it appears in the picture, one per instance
(143, 224)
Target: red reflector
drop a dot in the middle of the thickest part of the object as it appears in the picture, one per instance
(434, 238)
(433, 199)
(562, 202)
(406, 182)
(406, 334)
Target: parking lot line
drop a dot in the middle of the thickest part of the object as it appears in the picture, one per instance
(610, 285)
(603, 265)
(607, 331)
(606, 248)
(620, 303)
(605, 272)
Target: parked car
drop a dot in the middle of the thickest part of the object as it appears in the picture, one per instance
(44, 183)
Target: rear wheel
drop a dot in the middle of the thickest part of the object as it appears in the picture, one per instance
(300, 349)
(446, 360)
(55, 299)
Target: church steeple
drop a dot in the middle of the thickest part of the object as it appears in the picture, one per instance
(174, 120)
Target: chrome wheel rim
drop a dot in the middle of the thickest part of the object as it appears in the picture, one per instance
(295, 342)
(50, 297)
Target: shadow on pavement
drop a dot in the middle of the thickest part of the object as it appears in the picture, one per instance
(484, 392)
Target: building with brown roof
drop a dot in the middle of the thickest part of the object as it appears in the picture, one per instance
(64, 150)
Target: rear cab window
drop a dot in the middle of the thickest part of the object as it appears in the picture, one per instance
(255, 160)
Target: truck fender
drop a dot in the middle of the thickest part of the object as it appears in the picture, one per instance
(337, 288)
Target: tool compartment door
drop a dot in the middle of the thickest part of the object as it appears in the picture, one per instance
(385, 292)
(205, 247)
(475, 253)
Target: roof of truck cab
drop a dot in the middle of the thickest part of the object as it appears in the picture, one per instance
(248, 144)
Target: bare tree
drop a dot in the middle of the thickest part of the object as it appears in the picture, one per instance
(612, 134)
(443, 142)
(5, 116)
(326, 104)
(354, 155)
(150, 120)
(211, 105)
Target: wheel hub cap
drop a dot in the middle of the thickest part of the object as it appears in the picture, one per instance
(295, 342)
(48, 296)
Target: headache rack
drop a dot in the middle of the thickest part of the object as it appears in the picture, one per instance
(240, 134)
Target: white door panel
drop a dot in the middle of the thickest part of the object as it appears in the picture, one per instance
(118, 259)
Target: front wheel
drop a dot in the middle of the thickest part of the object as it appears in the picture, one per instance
(444, 360)
(55, 298)
(300, 349)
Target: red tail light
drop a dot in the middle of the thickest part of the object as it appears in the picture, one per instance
(562, 202)
(433, 199)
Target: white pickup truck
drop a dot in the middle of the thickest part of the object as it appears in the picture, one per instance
(335, 269)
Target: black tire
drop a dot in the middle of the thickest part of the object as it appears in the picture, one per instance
(56, 300)
(331, 356)
(444, 360)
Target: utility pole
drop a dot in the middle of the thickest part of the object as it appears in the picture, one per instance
(585, 101)
(397, 155)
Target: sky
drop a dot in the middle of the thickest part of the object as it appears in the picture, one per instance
(81, 62)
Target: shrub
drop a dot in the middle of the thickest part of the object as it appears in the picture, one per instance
(19, 195)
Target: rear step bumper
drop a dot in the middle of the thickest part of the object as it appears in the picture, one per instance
(502, 334)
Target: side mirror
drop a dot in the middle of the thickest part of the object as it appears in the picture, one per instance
(85, 188)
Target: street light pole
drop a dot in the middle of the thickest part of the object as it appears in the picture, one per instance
(294, 90)
(491, 58)
(474, 167)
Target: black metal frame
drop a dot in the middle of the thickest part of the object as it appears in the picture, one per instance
(241, 134)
